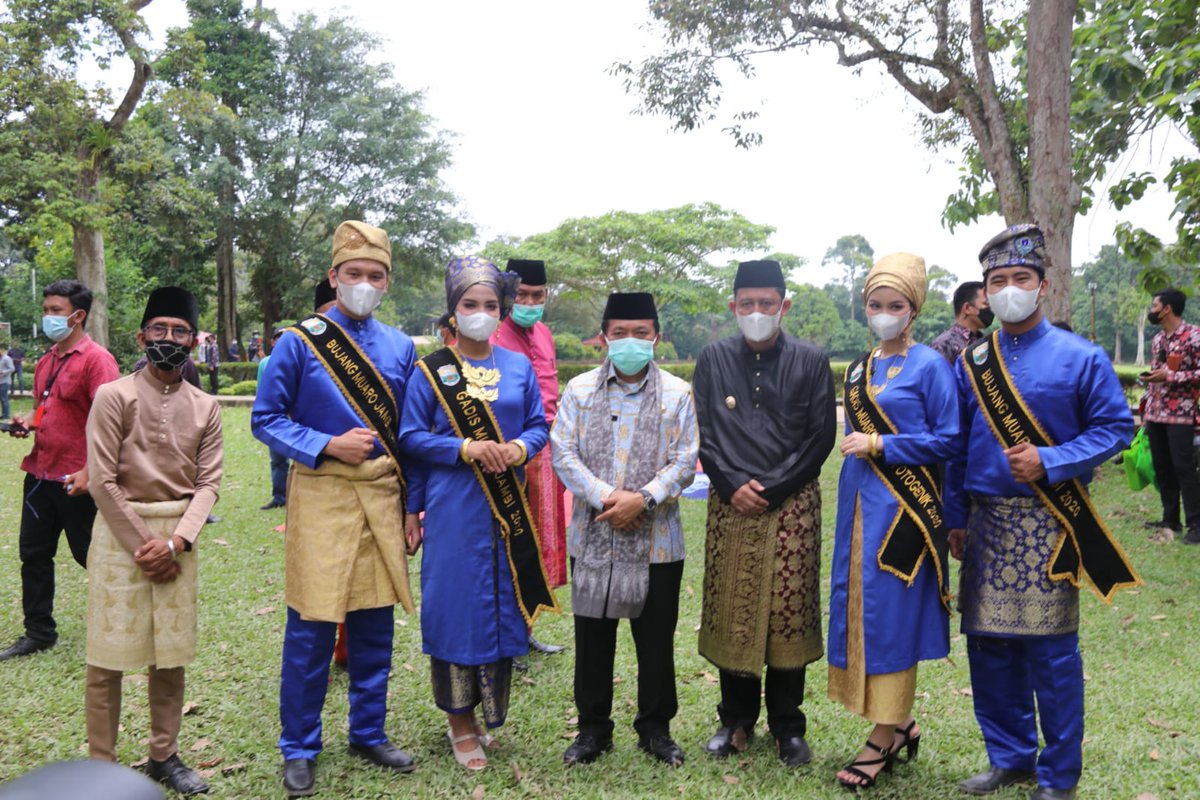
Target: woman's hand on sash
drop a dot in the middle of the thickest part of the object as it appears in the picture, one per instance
(856, 444)
(623, 509)
(1025, 463)
(748, 500)
(413, 535)
(492, 456)
(352, 447)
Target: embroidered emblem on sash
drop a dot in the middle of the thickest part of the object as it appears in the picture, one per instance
(980, 354)
(448, 375)
(314, 325)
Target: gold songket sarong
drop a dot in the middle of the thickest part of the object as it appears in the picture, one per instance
(133, 622)
(345, 539)
(762, 585)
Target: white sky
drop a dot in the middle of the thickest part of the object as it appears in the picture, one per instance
(544, 133)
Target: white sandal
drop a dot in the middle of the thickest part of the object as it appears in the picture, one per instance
(465, 758)
(485, 738)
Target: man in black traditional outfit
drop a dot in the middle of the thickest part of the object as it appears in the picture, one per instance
(765, 405)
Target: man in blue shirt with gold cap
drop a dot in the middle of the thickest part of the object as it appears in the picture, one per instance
(1041, 408)
(330, 400)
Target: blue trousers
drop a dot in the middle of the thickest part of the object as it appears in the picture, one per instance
(1015, 683)
(307, 650)
(279, 473)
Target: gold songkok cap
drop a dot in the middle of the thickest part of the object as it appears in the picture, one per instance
(903, 272)
(354, 239)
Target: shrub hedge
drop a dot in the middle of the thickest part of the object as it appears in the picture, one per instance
(241, 389)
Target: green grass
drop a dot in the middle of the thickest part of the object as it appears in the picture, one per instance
(1139, 656)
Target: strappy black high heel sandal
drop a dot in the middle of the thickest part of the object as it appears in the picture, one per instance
(910, 745)
(885, 758)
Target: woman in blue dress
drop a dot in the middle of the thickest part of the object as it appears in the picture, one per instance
(880, 624)
(471, 625)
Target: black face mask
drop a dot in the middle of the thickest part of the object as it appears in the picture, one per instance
(1154, 318)
(166, 355)
(986, 315)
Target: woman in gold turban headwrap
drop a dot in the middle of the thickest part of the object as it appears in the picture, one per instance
(886, 608)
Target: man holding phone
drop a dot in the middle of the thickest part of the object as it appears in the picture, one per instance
(55, 495)
(1170, 415)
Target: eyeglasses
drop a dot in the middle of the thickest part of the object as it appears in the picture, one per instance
(160, 332)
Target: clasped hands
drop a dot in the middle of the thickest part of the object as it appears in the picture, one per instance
(494, 456)
(155, 561)
(623, 509)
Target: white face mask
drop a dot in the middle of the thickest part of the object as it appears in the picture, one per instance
(757, 326)
(479, 326)
(887, 326)
(360, 299)
(1012, 304)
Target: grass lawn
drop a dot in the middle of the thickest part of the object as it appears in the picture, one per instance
(1142, 723)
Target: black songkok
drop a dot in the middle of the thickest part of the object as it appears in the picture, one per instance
(630, 305)
(323, 293)
(171, 301)
(533, 273)
(759, 274)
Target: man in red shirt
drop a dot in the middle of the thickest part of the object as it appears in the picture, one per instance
(56, 487)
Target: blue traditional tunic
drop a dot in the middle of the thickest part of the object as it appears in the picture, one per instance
(901, 624)
(469, 613)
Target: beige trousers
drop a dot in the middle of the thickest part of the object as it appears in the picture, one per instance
(102, 701)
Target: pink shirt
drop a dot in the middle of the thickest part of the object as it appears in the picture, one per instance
(536, 344)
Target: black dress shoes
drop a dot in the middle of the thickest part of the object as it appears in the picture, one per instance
(384, 755)
(176, 775)
(995, 779)
(272, 504)
(793, 750)
(298, 776)
(727, 741)
(542, 647)
(663, 748)
(24, 646)
(586, 748)
(1155, 524)
(1046, 793)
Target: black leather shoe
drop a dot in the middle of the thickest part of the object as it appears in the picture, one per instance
(1046, 793)
(586, 749)
(299, 776)
(541, 647)
(995, 779)
(663, 748)
(213, 519)
(385, 755)
(176, 775)
(272, 504)
(1158, 523)
(793, 750)
(24, 646)
(727, 741)
(1193, 537)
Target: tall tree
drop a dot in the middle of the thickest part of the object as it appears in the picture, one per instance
(854, 254)
(49, 40)
(942, 53)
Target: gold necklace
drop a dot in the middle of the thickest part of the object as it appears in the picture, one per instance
(892, 372)
(482, 382)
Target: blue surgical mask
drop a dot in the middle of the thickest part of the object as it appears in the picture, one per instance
(630, 356)
(527, 316)
(56, 328)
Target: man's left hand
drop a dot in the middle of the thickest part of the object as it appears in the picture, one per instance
(77, 483)
(623, 509)
(1025, 463)
(1156, 376)
(154, 557)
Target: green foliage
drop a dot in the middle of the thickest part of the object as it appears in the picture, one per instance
(569, 347)
(240, 389)
(237, 371)
(812, 316)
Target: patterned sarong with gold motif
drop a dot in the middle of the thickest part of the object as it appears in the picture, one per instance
(345, 546)
(1005, 588)
(133, 622)
(762, 585)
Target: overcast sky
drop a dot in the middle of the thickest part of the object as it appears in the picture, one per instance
(543, 133)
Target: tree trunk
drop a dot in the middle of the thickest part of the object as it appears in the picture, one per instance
(1141, 336)
(1053, 196)
(88, 243)
(1117, 346)
(227, 329)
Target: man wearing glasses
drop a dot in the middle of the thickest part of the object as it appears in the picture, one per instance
(55, 495)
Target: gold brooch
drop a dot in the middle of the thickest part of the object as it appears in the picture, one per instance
(481, 382)
(731, 402)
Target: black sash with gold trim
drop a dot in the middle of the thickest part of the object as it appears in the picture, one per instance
(1093, 550)
(359, 381)
(472, 418)
(918, 528)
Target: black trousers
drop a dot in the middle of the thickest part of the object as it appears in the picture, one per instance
(741, 700)
(213, 383)
(654, 639)
(1174, 459)
(46, 512)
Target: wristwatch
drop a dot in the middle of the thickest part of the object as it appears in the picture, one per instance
(648, 501)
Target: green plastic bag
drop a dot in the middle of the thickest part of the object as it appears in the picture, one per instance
(1139, 465)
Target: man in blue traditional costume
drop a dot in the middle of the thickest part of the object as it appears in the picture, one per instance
(1041, 408)
(330, 400)
(625, 444)
(765, 404)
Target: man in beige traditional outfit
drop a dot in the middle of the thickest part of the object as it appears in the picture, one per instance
(330, 400)
(155, 460)
(764, 401)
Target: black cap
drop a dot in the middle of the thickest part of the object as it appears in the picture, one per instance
(533, 273)
(171, 301)
(630, 305)
(759, 275)
(323, 293)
